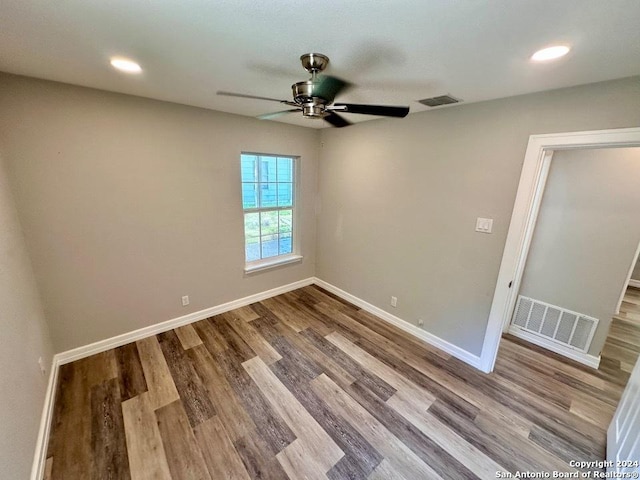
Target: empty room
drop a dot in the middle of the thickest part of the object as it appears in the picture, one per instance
(319, 240)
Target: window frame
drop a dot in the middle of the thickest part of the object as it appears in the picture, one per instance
(280, 259)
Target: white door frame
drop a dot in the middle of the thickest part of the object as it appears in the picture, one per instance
(535, 170)
(628, 280)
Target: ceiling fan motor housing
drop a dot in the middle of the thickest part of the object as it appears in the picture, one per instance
(312, 106)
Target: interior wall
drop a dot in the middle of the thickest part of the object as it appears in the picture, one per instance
(400, 198)
(635, 275)
(128, 204)
(587, 234)
(24, 338)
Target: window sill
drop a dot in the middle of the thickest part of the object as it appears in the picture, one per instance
(261, 265)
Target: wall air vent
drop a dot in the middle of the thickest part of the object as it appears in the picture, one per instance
(438, 101)
(561, 326)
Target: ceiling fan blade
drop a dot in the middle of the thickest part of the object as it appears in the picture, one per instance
(254, 97)
(383, 110)
(336, 120)
(269, 116)
(329, 87)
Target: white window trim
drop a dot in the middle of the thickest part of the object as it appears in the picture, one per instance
(294, 257)
(271, 262)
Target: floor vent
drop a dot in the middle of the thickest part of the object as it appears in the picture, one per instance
(556, 324)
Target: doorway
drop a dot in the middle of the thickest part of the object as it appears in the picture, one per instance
(538, 158)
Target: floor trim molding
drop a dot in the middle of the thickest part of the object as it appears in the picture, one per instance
(39, 457)
(72, 355)
(39, 461)
(119, 340)
(431, 339)
(634, 283)
(580, 357)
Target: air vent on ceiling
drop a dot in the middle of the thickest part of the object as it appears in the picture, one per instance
(438, 101)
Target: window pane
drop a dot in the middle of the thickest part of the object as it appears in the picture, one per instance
(268, 167)
(249, 195)
(285, 194)
(252, 250)
(285, 170)
(284, 246)
(285, 218)
(268, 195)
(248, 168)
(251, 226)
(269, 223)
(269, 245)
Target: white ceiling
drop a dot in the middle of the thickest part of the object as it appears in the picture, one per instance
(395, 51)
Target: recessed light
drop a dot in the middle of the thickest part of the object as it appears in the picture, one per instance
(125, 65)
(550, 53)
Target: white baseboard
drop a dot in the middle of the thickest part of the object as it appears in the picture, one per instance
(584, 358)
(634, 283)
(39, 460)
(119, 340)
(431, 339)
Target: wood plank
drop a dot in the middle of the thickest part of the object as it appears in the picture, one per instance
(372, 382)
(360, 457)
(295, 316)
(130, 372)
(147, 458)
(232, 340)
(312, 439)
(364, 389)
(48, 466)
(108, 443)
(162, 389)
(400, 457)
(230, 413)
(593, 410)
(509, 450)
(269, 425)
(290, 317)
(472, 458)
(210, 337)
(406, 390)
(431, 453)
(192, 393)
(219, 454)
(297, 461)
(258, 459)
(72, 447)
(385, 471)
(188, 336)
(182, 451)
(257, 343)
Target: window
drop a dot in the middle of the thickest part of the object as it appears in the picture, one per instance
(268, 202)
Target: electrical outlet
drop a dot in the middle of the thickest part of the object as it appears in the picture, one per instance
(394, 301)
(185, 300)
(420, 323)
(43, 369)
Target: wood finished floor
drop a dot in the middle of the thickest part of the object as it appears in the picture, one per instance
(305, 385)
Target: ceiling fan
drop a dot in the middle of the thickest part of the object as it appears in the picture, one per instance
(314, 97)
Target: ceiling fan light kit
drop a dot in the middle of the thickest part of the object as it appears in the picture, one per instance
(314, 97)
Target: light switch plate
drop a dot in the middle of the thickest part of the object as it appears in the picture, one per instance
(484, 225)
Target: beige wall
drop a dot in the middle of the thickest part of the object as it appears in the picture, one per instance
(127, 204)
(636, 271)
(399, 200)
(587, 234)
(24, 337)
